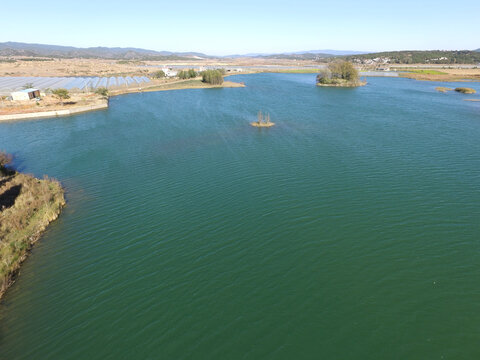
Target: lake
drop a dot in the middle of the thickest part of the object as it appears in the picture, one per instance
(350, 230)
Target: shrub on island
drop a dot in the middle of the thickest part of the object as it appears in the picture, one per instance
(464, 90)
(339, 73)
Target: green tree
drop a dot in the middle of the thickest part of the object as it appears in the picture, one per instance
(213, 77)
(158, 74)
(192, 73)
(61, 94)
(103, 91)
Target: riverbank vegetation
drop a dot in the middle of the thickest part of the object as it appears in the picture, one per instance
(339, 73)
(213, 77)
(420, 57)
(27, 206)
(54, 102)
(187, 74)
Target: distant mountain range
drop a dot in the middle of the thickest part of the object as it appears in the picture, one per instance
(57, 51)
(302, 54)
(118, 53)
(24, 49)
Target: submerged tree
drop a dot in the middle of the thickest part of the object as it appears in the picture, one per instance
(260, 117)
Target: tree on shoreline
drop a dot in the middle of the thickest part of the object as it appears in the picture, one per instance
(61, 94)
(213, 77)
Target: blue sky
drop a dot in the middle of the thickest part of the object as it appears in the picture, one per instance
(231, 27)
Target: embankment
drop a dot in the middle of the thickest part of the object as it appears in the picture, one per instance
(27, 206)
(54, 113)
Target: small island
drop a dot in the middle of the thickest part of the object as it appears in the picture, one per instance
(465, 90)
(27, 206)
(443, 89)
(262, 121)
(339, 74)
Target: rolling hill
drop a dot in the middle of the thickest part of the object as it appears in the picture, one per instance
(42, 50)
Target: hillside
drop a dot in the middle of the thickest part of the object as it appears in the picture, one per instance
(419, 57)
(42, 50)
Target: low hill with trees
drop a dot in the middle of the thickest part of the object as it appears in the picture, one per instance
(419, 57)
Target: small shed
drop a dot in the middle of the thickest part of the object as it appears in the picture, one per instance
(26, 94)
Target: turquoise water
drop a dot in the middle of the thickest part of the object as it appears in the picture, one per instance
(348, 231)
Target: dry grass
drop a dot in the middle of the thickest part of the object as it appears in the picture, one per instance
(444, 75)
(27, 206)
(49, 103)
(177, 85)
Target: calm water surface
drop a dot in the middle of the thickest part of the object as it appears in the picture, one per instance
(351, 230)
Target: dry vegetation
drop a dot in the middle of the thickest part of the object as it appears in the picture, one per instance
(443, 89)
(71, 67)
(27, 206)
(49, 103)
(444, 74)
(102, 67)
(171, 84)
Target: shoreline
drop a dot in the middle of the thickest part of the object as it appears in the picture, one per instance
(29, 205)
(72, 110)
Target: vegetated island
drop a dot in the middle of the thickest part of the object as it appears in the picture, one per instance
(262, 121)
(27, 206)
(340, 74)
(465, 90)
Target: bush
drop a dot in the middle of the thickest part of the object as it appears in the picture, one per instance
(103, 91)
(5, 159)
(187, 74)
(213, 77)
(61, 94)
(158, 74)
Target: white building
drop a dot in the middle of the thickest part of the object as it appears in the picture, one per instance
(169, 72)
(26, 94)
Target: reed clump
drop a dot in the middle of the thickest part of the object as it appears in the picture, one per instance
(262, 121)
(27, 206)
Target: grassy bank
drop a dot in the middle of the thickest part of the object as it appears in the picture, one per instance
(446, 75)
(179, 85)
(27, 206)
